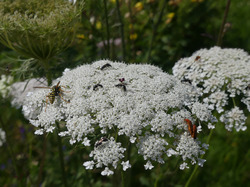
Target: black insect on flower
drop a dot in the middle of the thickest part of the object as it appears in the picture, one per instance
(100, 142)
(122, 84)
(97, 86)
(186, 80)
(105, 66)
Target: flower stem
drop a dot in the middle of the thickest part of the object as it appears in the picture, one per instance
(42, 160)
(155, 27)
(107, 27)
(234, 102)
(122, 175)
(121, 30)
(10, 151)
(45, 65)
(219, 41)
(59, 141)
(196, 166)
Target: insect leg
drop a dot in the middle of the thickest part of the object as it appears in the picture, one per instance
(63, 98)
(47, 100)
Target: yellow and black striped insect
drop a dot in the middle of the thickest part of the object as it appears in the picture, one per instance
(55, 91)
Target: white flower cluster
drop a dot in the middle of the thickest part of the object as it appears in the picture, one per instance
(222, 78)
(2, 137)
(109, 152)
(189, 149)
(139, 102)
(5, 85)
(19, 90)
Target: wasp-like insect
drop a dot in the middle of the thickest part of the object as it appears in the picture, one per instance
(122, 84)
(98, 143)
(191, 128)
(105, 66)
(96, 87)
(55, 91)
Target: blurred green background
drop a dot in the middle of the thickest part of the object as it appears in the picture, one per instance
(154, 31)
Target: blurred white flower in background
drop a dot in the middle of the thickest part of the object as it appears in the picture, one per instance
(5, 85)
(223, 79)
(2, 137)
(124, 104)
(19, 90)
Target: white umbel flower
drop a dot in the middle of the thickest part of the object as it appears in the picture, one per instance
(137, 102)
(234, 118)
(222, 76)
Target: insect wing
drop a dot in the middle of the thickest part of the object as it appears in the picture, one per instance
(42, 87)
(190, 128)
(194, 132)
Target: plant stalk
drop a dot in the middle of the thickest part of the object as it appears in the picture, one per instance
(155, 27)
(10, 151)
(107, 27)
(121, 30)
(61, 157)
(219, 41)
(196, 166)
(42, 160)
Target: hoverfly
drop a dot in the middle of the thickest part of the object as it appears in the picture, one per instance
(98, 143)
(55, 91)
(192, 128)
(122, 84)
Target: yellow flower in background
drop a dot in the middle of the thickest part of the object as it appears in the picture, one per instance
(112, 1)
(80, 36)
(138, 6)
(98, 25)
(133, 36)
(170, 16)
(130, 26)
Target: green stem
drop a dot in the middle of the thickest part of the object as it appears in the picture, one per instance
(42, 160)
(158, 176)
(59, 141)
(123, 181)
(196, 166)
(219, 41)
(45, 65)
(234, 102)
(8, 41)
(10, 151)
(107, 27)
(121, 29)
(155, 27)
(132, 21)
(30, 47)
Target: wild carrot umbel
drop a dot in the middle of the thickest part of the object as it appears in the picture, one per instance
(149, 114)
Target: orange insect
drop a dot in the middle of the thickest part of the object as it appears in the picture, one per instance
(192, 128)
(197, 58)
